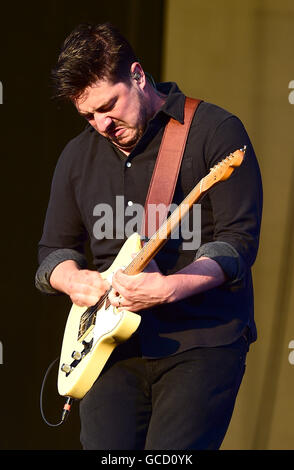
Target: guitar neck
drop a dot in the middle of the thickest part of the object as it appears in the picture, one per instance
(160, 237)
(219, 172)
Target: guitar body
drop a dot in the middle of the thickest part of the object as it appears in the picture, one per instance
(86, 356)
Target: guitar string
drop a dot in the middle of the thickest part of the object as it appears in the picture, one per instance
(91, 312)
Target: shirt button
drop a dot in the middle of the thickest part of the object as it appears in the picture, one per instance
(129, 164)
(130, 203)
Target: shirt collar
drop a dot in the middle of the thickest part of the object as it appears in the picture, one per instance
(175, 101)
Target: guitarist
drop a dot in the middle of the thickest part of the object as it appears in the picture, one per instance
(173, 385)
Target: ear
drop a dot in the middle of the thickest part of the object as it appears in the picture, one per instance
(138, 75)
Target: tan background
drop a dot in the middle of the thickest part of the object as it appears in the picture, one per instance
(239, 55)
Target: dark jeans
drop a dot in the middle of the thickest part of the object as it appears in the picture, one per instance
(179, 402)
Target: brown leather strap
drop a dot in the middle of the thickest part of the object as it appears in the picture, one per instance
(167, 167)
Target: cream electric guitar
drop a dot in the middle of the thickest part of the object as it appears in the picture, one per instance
(92, 333)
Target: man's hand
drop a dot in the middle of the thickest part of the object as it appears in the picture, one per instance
(151, 287)
(83, 286)
(140, 291)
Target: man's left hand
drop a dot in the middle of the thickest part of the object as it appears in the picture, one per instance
(139, 291)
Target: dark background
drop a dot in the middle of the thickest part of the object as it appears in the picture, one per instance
(33, 132)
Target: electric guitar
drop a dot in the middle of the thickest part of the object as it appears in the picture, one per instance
(92, 333)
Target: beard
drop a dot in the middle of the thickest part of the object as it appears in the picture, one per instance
(128, 142)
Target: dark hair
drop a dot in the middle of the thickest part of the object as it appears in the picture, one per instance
(91, 53)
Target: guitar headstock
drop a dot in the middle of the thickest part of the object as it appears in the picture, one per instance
(223, 170)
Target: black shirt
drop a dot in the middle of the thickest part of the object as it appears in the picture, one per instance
(91, 173)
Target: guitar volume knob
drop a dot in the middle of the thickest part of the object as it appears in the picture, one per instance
(66, 368)
(77, 355)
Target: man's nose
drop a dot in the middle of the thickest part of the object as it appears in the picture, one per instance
(102, 122)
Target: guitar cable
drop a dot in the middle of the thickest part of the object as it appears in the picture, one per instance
(66, 406)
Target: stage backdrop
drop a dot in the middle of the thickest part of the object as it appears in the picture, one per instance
(239, 55)
(236, 54)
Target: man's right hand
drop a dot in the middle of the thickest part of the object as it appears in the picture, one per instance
(84, 287)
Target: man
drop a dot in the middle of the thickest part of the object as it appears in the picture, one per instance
(173, 385)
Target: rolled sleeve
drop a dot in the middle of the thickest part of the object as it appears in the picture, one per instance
(228, 258)
(42, 278)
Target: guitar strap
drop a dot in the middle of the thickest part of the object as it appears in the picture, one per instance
(167, 166)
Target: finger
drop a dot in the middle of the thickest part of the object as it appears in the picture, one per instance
(120, 301)
(120, 280)
(113, 297)
(88, 281)
(97, 281)
(88, 290)
(82, 300)
(116, 300)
